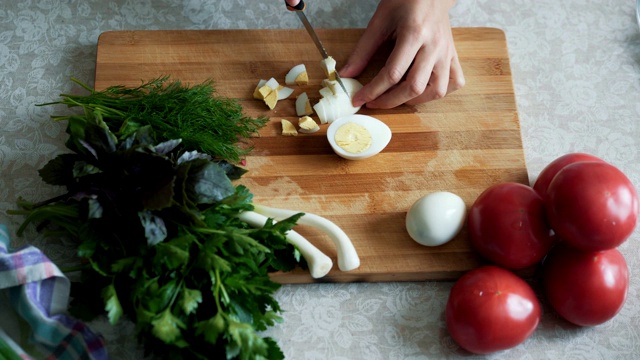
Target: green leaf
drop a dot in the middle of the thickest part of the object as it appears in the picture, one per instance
(208, 259)
(212, 328)
(83, 168)
(233, 172)
(247, 242)
(150, 177)
(171, 255)
(112, 304)
(244, 342)
(166, 327)
(87, 248)
(190, 300)
(126, 264)
(59, 170)
(95, 209)
(167, 146)
(157, 297)
(97, 134)
(89, 240)
(154, 228)
(274, 352)
(207, 183)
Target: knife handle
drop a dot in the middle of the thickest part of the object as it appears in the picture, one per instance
(301, 6)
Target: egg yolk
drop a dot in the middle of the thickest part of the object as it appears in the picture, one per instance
(353, 138)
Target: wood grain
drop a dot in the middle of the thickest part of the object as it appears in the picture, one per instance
(462, 143)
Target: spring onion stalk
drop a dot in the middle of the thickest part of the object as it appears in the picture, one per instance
(347, 256)
(319, 263)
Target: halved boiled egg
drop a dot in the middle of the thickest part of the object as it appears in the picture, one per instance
(357, 137)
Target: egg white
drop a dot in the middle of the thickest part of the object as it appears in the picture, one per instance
(380, 135)
(436, 218)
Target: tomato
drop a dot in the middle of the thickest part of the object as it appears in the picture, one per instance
(491, 309)
(507, 225)
(585, 287)
(592, 205)
(549, 172)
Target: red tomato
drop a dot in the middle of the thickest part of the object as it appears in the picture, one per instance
(584, 287)
(547, 174)
(592, 205)
(491, 309)
(507, 225)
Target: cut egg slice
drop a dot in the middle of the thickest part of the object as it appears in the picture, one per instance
(357, 137)
(334, 102)
(297, 75)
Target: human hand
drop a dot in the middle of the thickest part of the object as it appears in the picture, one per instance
(423, 64)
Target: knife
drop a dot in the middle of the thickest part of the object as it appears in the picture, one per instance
(299, 10)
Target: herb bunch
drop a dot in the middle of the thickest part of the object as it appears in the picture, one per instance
(211, 124)
(157, 231)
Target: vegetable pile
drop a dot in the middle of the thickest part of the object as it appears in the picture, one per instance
(157, 221)
(570, 223)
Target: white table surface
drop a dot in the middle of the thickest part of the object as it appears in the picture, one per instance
(576, 72)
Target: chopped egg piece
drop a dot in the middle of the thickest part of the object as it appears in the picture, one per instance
(284, 92)
(307, 125)
(333, 86)
(288, 129)
(268, 92)
(326, 92)
(329, 67)
(297, 75)
(273, 83)
(256, 93)
(302, 79)
(271, 99)
(303, 105)
(353, 138)
(263, 91)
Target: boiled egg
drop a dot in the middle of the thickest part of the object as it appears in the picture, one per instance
(334, 102)
(357, 137)
(436, 218)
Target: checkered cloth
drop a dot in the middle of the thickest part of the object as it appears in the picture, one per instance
(39, 293)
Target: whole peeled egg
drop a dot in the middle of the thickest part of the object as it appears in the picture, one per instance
(436, 218)
(357, 137)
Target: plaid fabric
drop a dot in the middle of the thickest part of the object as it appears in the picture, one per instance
(39, 292)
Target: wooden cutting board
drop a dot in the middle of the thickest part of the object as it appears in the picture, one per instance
(462, 143)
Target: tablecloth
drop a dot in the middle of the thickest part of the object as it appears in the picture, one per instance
(576, 73)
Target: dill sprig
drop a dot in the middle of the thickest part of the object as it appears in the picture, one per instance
(206, 123)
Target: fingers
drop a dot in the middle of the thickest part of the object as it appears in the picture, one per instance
(393, 72)
(369, 42)
(443, 83)
(435, 72)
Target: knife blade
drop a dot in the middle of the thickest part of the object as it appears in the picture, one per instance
(299, 10)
